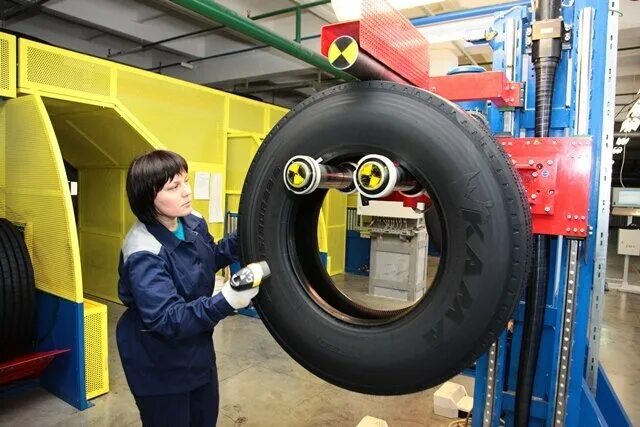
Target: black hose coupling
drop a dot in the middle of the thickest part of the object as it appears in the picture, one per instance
(547, 37)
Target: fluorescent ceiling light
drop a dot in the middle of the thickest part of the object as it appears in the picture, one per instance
(350, 10)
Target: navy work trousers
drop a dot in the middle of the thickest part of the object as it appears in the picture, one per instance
(195, 408)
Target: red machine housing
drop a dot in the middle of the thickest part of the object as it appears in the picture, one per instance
(556, 175)
(555, 171)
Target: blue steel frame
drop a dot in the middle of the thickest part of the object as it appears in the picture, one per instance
(583, 406)
(60, 325)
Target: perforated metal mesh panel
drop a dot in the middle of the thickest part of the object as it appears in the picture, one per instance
(7, 65)
(96, 350)
(36, 193)
(184, 117)
(389, 37)
(247, 115)
(51, 69)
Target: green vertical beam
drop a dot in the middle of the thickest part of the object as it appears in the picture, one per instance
(298, 25)
(231, 19)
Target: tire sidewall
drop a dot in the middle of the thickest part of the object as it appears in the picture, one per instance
(483, 225)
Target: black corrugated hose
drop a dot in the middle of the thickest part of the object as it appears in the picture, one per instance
(546, 55)
(545, 75)
(533, 323)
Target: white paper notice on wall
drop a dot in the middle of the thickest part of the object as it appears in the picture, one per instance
(201, 187)
(216, 213)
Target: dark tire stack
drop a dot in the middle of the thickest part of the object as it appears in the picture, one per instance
(17, 293)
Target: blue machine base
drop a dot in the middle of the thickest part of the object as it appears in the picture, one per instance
(60, 325)
(605, 409)
(357, 254)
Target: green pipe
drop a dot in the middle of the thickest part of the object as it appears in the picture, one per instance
(231, 19)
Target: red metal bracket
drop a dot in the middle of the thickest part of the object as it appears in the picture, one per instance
(491, 85)
(556, 174)
(28, 366)
(409, 202)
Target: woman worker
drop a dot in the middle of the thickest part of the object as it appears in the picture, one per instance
(167, 267)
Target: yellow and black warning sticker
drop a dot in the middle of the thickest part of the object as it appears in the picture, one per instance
(371, 175)
(297, 174)
(343, 52)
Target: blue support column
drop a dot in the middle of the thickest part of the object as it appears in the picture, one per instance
(60, 325)
(608, 402)
(571, 273)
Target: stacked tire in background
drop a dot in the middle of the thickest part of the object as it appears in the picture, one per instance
(17, 294)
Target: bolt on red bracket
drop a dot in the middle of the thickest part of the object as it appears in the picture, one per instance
(556, 174)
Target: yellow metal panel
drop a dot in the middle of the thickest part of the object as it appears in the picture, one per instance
(7, 65)
(129, 217)
(100, 253)
(323, 244)
(96, 349)
(247, 115)
(275, 114)
(233, 202)
(99, 200)
(334, 228)
(37, 193)
(240, 151)
(352, 200)
(337, 237)
(202, 206)
(100, 208)
(336, 203)
(50, 69)
(184, 117)
(93, 136)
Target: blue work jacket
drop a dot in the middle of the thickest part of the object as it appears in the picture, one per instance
(165, 335)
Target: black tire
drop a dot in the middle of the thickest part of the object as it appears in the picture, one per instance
(485, 222)
(17, 294)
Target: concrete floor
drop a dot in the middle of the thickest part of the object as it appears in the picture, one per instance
(260, 385)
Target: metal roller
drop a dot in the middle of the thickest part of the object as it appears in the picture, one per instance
(304, 175)
(377, 176)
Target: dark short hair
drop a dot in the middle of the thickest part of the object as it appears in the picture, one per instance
(146, 176)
